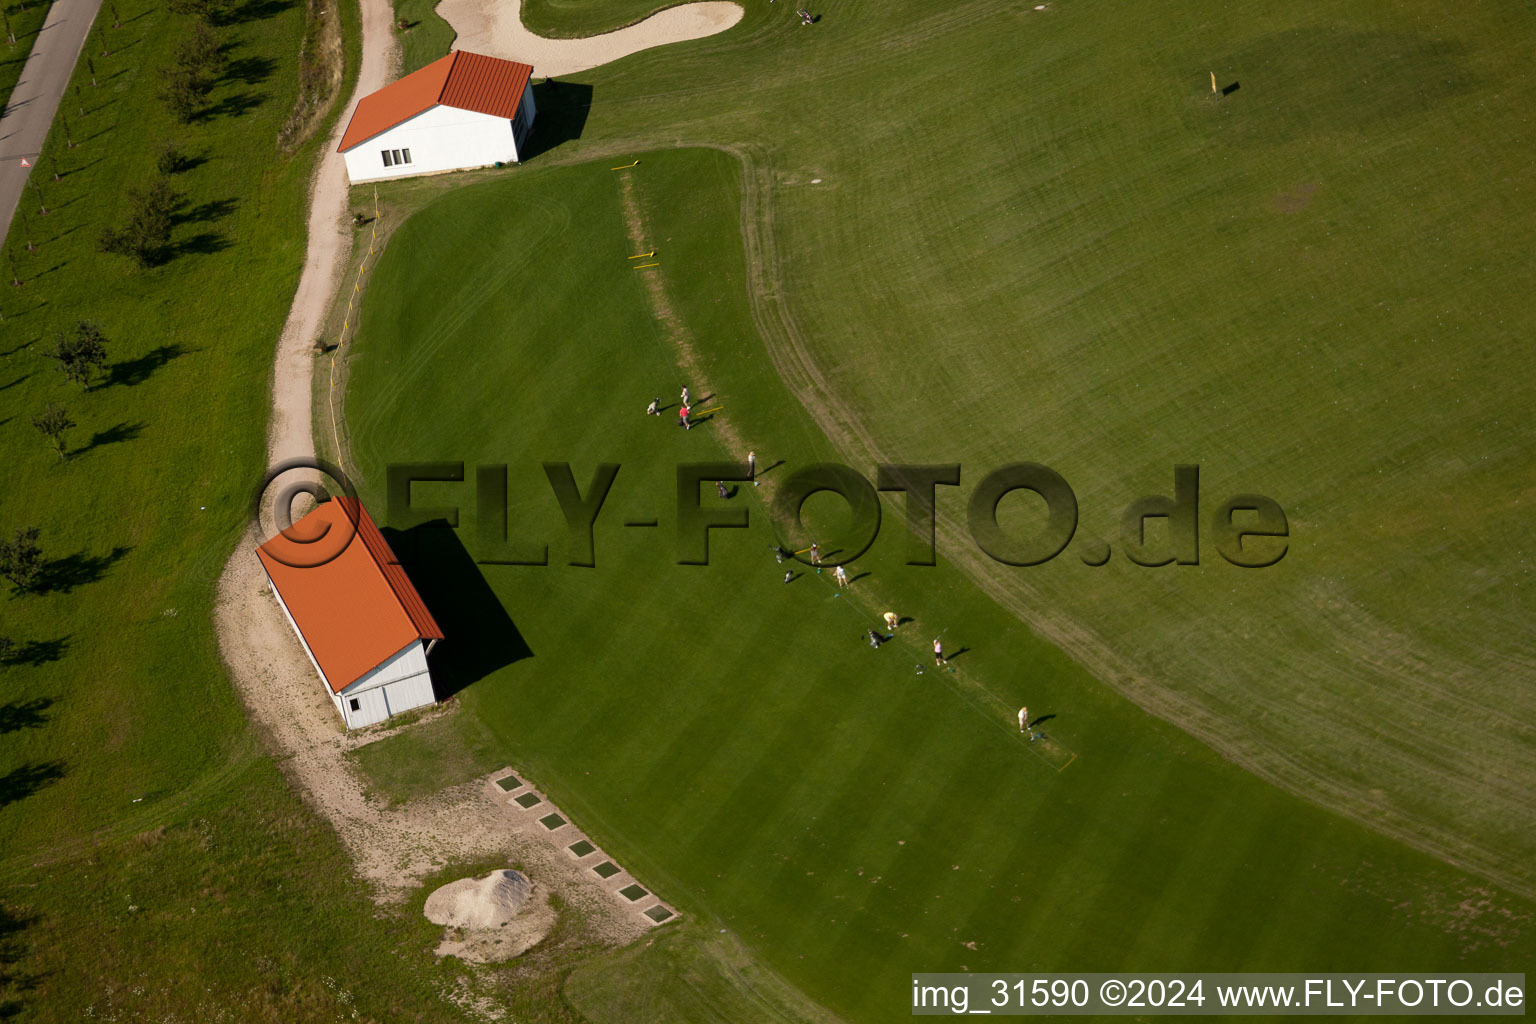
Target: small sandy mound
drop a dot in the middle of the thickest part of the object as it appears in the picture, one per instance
(488, 902)
(492, 918)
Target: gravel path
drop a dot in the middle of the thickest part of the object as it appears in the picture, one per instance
(496, 27)
(396, 847)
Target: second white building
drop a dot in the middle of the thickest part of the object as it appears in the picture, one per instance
(466, 110)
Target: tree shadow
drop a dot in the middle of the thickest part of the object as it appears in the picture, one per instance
(131, 372)
(189, 163)
(20, 783)
(112, 435)
(38, 652)
(236, 105)
(250, 70)
(204, 243)
(24, 714)
(62, 575)
(18, 380)
(562, 115)
(478, 635)
(12, 951)
(216, 209)
(251, 10)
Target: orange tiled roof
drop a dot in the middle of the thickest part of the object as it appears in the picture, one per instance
(469, 81)
(355, 610)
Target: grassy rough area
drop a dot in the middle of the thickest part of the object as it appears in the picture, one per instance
(730, 738)
(426, 36)
(573, 19)
(153, 862)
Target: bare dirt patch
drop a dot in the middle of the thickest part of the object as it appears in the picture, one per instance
(493, 918)
(1296, 199)
(495, 27)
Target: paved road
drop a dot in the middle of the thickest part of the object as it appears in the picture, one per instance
(44, 77)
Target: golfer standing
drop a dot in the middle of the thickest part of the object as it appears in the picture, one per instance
(682, 416)
(840, 576)
(752, 467)
(1024, 719)
(938, 652)
(815, 554)
(685, 394)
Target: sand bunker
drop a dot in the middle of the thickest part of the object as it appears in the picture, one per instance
(492, 918)
(495, 27)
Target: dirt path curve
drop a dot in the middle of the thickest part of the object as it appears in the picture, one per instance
(495, 27)
(330, 242)
(394, 847)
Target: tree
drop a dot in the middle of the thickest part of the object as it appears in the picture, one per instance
(203, 10)
(148, 228)
(200, 51)
(7, 650)
(21, 560)
(171, 159)
(183, 92)
(54, 424)
(80, 352)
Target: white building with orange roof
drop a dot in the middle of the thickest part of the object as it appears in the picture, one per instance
(362, 623)
(466, 110)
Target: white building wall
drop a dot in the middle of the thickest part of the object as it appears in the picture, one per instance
(440, 139)
(399, 684)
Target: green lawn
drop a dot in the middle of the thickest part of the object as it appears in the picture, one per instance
(1313, 289)
(731, 738)
(153, 862)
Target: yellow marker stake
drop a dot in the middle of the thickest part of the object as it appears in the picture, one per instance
(642, 266)
(713, 408)
(642, 256)
(624, 166)
(1213, 85)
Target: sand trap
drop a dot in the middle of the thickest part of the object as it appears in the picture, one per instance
(495, 27)
(492, 918)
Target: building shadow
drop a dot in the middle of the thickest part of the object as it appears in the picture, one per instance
(479, 636)
(563, 108)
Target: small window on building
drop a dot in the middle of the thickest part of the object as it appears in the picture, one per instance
(387, 160)
(397, 157)
(354, 704)
(407, 154)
